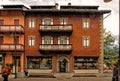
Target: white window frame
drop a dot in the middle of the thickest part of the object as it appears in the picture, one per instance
(86, 23)
(50, 41)
(86, 41)
(31, 22)
(63, 21)
(43, 21)
(31, 41)
(61, 38)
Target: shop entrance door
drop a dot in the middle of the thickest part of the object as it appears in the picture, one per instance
(63, 65)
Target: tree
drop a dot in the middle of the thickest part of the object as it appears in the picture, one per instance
(110, 49)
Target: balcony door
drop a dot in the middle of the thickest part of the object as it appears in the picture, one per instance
(1, 22)
(16, 39)
(17, 64)
(1, 40)
(16, 21)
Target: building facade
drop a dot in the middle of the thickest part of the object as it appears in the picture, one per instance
(55, 40)
(12, 33)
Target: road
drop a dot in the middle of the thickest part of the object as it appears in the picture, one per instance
(63, 79)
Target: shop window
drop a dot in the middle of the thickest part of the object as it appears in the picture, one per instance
(44, 63)
(85, 63)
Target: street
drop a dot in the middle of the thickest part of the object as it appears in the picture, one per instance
(63, 79)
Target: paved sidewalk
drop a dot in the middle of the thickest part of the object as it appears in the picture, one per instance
(63, 79)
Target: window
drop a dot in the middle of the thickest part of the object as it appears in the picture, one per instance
(44, 63)
(63, 40)
(16, 39)
(1, 22)
(86, 23)
(47, 40)
(85, 63)
(16, 21)
(63, 21)
(31, 40)
(31, 23)
(1, 39)
(86, 41)
(47, 21)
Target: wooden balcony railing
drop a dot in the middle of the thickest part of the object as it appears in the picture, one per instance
(56, 28)
(11, 29)
(11, 47)
(55, 47)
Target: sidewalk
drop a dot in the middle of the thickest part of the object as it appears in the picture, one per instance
(63, 79)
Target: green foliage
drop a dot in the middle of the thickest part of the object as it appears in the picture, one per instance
(110, 49)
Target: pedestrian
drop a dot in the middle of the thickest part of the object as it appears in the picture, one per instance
(115, 73)
(5, 73)
(26, 72)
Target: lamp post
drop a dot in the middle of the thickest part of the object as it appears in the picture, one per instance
(14, 38)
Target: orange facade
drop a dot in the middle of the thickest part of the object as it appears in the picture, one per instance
(12, 33)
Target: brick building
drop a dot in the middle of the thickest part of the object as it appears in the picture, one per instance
(65, 39)
(12, 33)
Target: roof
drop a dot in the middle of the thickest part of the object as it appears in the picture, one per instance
(54, 9)
(12, 3)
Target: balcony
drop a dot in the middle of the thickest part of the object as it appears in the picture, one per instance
(44, 48)
(56, 29)
(11, 48)
(11, 29)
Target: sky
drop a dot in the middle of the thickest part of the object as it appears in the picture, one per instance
(111, 23)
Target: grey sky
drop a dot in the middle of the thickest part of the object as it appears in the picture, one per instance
(110, 23)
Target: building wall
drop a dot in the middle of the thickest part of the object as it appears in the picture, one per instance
(75, 37)
(9, 17)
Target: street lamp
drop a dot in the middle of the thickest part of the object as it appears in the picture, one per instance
(14, 36)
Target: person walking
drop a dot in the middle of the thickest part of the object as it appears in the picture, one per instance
(26, 72)
(5, 73)
(115, 73)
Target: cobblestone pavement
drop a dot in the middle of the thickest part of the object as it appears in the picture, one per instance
(63, 79)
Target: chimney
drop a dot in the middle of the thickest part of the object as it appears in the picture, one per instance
(56, 5)
(69, 4)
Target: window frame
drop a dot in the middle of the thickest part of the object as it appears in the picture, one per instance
(51, 21)
(86, 41)
(31, 23)
(86, 23)
(31, 41)
(63, 21)
(44, 38)
(39, 64)
(17, 20)
(2, 21)
(63, 37)
(83, 63)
